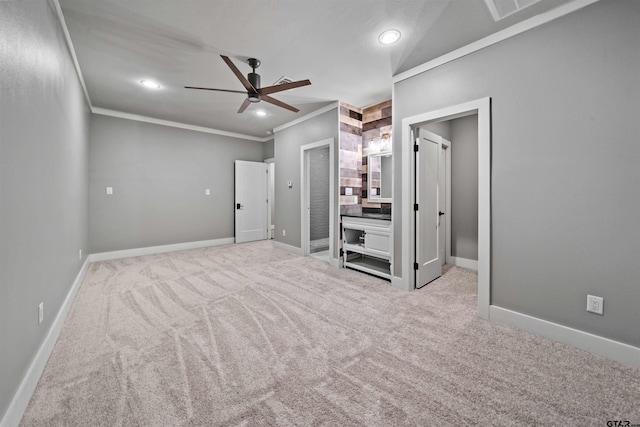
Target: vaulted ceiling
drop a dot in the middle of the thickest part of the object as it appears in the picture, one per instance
(334, 43)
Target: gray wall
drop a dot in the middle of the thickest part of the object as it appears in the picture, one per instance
(565, 175)
(267, 149)
(319, 193)
(464, 187)
(159, 175)
(287, 154)
(43, 182)
(442, 129)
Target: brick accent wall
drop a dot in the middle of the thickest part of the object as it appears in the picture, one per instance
(350, 158)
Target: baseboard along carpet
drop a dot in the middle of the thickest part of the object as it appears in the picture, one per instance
(251, 335)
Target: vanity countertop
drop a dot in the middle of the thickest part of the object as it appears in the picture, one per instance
(382, 216)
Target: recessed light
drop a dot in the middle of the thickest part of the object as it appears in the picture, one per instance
(150, 84)
(261, 113)
(389, 37)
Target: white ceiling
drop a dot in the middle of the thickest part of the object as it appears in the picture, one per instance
(331, 42)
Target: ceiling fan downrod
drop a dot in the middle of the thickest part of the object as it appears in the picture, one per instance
(254, 79)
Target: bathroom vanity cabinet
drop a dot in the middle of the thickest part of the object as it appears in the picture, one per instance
(367, 244)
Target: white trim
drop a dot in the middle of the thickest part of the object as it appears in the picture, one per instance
(449, 152)
(307, 117)
(335, 262)
(152, 250)
(483, 108)
(514, 30)
(304, 184)
(288, 248)
(400, 283)
(471, 264)
(620, 352)
(21, 399)
(72, 51)
(146, 119)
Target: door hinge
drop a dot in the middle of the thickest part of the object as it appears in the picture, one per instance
(416, 148)
(415, 266)
(415, 206)
(341, 252)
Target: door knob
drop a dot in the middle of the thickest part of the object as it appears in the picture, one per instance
(440, 213)
(239, 206)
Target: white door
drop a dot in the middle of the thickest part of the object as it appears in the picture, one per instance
(251, 201)
(428, 213)
(442, 203)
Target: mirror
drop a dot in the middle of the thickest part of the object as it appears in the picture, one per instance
(380, 177)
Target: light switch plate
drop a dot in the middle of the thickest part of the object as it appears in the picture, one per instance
(207, 192)
(109, 190)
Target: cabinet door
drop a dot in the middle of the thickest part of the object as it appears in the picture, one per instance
(375, 242)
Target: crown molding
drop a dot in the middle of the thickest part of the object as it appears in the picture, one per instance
(72, 51)
(146, 119)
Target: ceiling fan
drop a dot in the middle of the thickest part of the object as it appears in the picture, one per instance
(254, 92)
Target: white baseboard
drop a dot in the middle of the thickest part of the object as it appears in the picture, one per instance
(288, 248)
(620, 352)
(335, 262)
(471, 264)
(152, 250)
(400, 283)
(21, 399)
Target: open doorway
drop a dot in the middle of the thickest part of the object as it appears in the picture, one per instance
(481, 108)
(447, 157)
(317, 199)
(271, 220)
(318, 161)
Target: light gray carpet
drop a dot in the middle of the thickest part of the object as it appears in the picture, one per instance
(250, 335)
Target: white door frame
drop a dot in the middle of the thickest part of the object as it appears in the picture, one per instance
(304, 195)
(481, 107)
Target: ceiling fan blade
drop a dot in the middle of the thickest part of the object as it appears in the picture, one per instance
(274, 101)
(238, 74)
(285, 86)
(244, 105)
(218, 90)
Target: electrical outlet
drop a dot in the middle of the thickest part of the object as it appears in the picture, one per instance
(207, 192)
(40, 312)
(284, 232)
(109, 190)
(595, 304)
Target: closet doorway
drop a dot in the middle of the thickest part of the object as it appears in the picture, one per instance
(271, 206)
(317, 199)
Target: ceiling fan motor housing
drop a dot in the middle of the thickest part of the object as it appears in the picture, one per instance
(254, 79)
